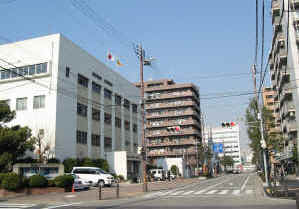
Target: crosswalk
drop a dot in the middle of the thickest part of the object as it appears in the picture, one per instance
(182, 193)
(15, 206)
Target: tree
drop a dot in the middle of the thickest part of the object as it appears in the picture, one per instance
(14, 141)
(273, 141)
(227, 161)
(174, 170)
(42, 148)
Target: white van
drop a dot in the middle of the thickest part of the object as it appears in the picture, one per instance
(158, 174)
(95, 176)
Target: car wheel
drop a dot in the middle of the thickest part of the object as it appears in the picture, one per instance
(101, 183)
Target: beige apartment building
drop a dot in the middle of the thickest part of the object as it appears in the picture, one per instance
(269, 103)
(173, 125)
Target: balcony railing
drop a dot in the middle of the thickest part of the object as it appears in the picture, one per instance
(175, 113)
(171, 104)
(171, 153)
(173, 133)
(174, 143)
(275, 6)
(178, 122)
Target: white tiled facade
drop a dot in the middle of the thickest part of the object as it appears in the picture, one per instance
(84, 108)
(229, 137)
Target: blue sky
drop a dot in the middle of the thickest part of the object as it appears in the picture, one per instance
(190, 40)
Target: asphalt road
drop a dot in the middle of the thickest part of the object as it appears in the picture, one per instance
(236, 191)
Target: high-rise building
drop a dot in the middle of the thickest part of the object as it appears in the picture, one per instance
(229, 137)
(284, 67)
(81, 107)
(173, 124)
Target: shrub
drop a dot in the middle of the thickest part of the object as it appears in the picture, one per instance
(121, 177)
(27, 160)
(51, 183)
(38, 181)
(53, 160)
(69, 163)
(25, 182)
(2, 176)
(64, 181)
(11, 182)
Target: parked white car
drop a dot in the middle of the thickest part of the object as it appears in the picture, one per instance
(95, 176)
(80, 184)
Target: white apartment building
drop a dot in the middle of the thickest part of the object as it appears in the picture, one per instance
(82, 107)
(229, 137)
(284, 69)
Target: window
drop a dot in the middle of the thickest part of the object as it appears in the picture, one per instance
(107, 94)
(38, 68)
(96, 114)
(117, 122)
(96, 87)
(39, 102)
(31, 69)
(135, 128)
(127, 125)
(107, 144)
(81, 137)
(23, 71)
(96, 76)
(44, 67)
(117, 100)
(134, 108)
(67, 71)
(107, 118)
(21, 103)
(5, 74)
(108, 83)
(14, 73)
(82, 110)
(126, 104)
(95, 140)
(83, 81)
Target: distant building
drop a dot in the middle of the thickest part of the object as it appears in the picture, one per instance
(229, 137)
(83, 108)
(173, 127)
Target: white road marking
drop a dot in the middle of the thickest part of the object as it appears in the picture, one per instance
(60, 206)
(186, 193)
(200, 191)
(15, 206)
(236, 192)
(249, 191)
(212, 192)
(245, 182)
(223, 192)
(70, 196)
(179, 192)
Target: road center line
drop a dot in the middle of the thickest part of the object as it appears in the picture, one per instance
(245, 182)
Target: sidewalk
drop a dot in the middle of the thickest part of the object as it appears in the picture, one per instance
(288, 187)
(125, 191)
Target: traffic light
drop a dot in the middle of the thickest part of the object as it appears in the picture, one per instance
(227, 124)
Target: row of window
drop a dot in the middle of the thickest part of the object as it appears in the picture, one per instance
(83, 81)
(24, 71)
(21, 103)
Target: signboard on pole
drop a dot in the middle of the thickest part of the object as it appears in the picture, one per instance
(218, 148)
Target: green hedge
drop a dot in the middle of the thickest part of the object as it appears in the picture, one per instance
(11, 181)
(38, 181)
(64, 181)
(69, 163)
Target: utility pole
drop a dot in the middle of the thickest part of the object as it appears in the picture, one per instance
(141, 60)
(260, 117)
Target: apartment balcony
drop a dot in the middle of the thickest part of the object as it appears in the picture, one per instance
(292, 126)
(174, 143)
(172, 95)
(172, 133)
(275, 7)
(175, 113)
(171, 153)
(171, 104)
(179, 122)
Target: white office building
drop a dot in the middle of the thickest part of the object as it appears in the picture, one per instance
(229, 137)
(82, 107)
